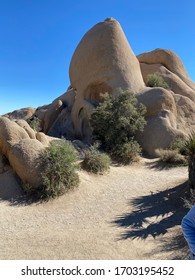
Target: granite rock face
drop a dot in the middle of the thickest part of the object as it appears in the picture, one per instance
(168, 123)
(22, 148)
(24, 113)
(104, 62)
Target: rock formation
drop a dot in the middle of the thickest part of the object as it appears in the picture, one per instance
(22, 147)
(176, 114)
(104, 62)
(24, 113)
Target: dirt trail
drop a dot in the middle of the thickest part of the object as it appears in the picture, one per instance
(131, 213)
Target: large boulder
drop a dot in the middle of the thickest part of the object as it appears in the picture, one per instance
(10, 133)
(56, 117)
(31, 132)
(24, 113)
(161, 116)
(163, 126)
(24, 158)
(168, 59)
(176, 84)
(102, 62)
(22, 147)
(105, 61)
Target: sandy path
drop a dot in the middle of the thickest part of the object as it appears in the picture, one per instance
(131, 213)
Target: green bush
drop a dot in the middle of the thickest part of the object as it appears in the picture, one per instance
(171, 157)
(35, 123)
(179, 144)
(59, 174)
(156, 80)
(116, 120)
(190, 145)
(96, 161)
(127, 152)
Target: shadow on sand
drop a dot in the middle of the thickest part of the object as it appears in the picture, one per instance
(154, 215)
(159, 165)
(11, 191)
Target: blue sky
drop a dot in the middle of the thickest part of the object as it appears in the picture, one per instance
(38, 38)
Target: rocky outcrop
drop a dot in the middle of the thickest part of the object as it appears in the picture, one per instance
(161, 116)
(170, 61)
(162, 128)
(104, 62)
(56, 117)
(24, 113)
(22, 148)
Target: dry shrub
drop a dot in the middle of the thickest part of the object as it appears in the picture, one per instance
(96, 161)
(171, 157)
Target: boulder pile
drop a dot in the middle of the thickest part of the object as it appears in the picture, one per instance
(22, 146)
(103, 62)
(24, 113)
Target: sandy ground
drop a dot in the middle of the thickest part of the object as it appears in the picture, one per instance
(134, 212)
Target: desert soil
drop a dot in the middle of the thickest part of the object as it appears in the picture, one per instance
(133, 212)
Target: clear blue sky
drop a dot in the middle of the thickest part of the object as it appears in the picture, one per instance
(38, 38)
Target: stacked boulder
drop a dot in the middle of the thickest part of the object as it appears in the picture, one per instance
(24, 113)
(177, 113)
(22, 146)
(104, 62)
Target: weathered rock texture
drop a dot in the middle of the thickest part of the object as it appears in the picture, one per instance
(104, 62)
(22, 147)
(24, 113)
(170, 61)
(56, 117)
(175, 108)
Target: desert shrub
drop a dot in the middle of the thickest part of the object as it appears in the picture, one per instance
(190, 145)
(171, 157)
(179, 144)
(156, 80)
(35, 123)
(116, 120)
(127, 152)
(59, 173)
(96, 161)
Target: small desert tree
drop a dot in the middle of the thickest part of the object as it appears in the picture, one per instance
(115, 121)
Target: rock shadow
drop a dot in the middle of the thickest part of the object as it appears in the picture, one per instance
(11, 191)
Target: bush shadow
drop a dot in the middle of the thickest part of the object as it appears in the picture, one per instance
(159, 165)
(154, 215)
